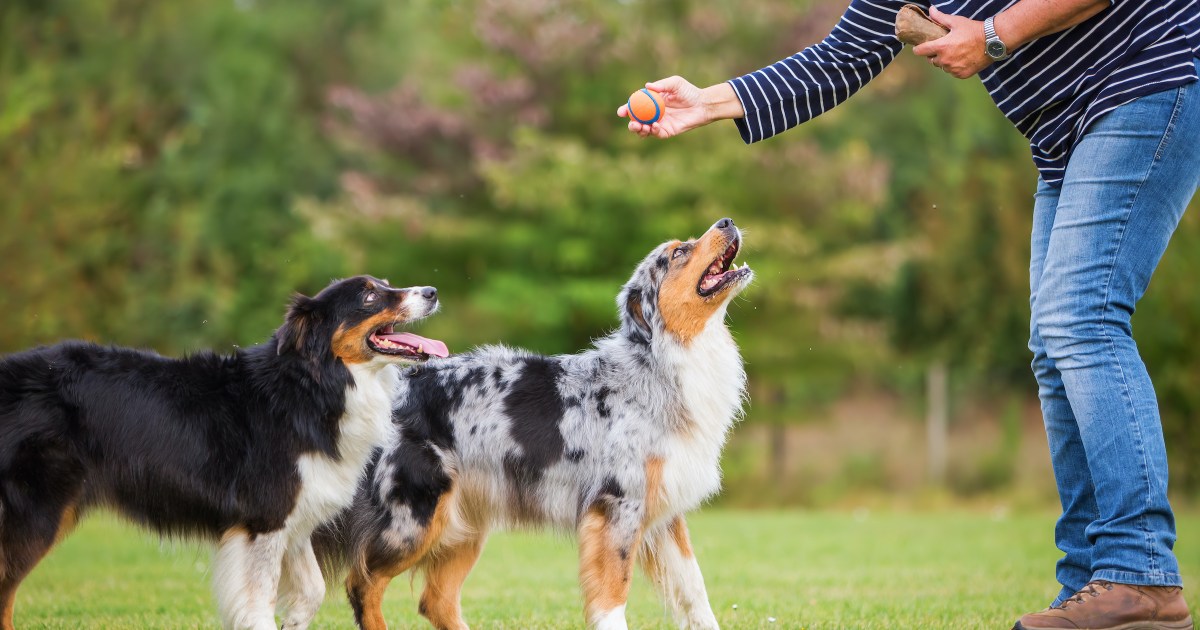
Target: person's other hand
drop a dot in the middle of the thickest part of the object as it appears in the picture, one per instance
(961, 51)
(683, 109)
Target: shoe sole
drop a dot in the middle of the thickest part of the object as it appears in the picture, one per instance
(1186, 624)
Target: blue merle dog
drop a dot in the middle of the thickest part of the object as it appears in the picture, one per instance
(615, 444)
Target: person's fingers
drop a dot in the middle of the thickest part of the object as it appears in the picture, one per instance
(645, 131)
(939, 17)
(667, 85)
(623, 111)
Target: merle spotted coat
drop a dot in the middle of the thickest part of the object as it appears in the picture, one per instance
(615, 444)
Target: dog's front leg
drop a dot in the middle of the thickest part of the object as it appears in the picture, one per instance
(246, 578)
(609, 536)
(301, 588)
(669, 563)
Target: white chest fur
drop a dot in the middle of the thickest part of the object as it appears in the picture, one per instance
(328, 485)
(711, 380)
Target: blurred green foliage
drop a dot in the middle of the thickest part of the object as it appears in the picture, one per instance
(171, 171)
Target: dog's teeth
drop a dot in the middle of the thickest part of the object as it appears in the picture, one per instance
(421, 349)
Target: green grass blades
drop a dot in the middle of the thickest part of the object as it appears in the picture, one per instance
(852, 570)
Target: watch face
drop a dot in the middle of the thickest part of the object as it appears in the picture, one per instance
(995, 49)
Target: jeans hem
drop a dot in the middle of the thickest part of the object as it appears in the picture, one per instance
(1139, 579)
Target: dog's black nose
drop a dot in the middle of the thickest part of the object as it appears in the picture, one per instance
(724, 223)
(429, 293)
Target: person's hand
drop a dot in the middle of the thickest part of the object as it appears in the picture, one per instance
(961, 51)
(684, 109)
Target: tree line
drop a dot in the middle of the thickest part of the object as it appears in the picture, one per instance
(171, 172)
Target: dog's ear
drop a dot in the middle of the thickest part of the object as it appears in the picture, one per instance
(634, 321)
(292, 336)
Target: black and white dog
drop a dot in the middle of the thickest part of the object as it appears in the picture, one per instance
(615, 444)
(254, 449)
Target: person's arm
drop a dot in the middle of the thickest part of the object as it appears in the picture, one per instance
(686, 107)
(961, 52)
(776, 98)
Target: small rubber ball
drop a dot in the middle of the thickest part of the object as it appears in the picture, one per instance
(645, 106)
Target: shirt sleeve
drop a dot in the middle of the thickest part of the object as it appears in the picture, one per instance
(798, 88)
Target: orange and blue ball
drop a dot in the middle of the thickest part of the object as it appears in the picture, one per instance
(645, 106)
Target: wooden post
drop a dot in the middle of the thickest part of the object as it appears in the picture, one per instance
(937, 421)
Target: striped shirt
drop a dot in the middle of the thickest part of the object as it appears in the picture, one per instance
(1051, 89)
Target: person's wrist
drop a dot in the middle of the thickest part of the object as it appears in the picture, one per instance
(720, 102)
(1005, 32)
(994, 46)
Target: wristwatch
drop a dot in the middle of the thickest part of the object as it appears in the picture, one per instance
(991, 42)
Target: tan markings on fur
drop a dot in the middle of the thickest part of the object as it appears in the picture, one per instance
(8, 588)
(350, 344)
(604, 571)
(233, 531)
(635, 307)
(679, 534)
(654, 489)
(684, 311)
(472, 498)
(651, 557)
(372, 578)
(66, 524)
(445, 571)
(371, 589)
(8, 596)
(433, 533)
(5, 599)
(651, 563)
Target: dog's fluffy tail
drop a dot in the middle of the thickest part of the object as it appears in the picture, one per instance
(335, 542)
(331, 544)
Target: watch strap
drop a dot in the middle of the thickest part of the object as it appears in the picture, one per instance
(989, 28)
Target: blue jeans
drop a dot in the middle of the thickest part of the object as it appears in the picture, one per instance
(1096, 241)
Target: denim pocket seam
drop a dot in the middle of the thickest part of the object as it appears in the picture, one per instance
(1169, 131)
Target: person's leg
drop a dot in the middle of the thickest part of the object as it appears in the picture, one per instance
(1126, 187)
(1067, 457)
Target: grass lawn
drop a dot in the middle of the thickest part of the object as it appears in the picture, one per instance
(801, 569)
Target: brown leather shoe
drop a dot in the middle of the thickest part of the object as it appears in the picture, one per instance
(1103, 605)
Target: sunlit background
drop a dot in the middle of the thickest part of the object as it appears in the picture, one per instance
(170, 172)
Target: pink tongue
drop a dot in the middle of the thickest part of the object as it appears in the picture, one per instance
(432, 347)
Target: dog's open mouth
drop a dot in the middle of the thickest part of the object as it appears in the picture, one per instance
(722, 272)
(387, 341)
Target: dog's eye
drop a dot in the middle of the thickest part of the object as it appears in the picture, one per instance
(370, 297)
(679, 251)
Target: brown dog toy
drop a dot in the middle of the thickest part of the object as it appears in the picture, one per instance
(914, 27)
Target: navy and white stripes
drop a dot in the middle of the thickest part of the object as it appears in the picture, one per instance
(1051, 89)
